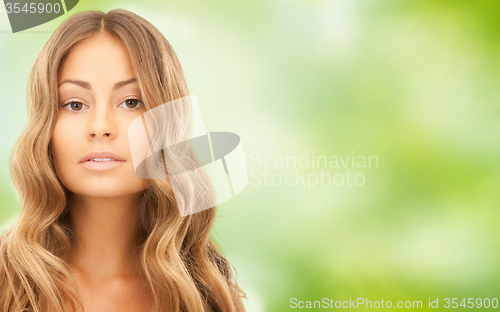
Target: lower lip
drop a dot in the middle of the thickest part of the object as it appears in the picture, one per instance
(101, 165)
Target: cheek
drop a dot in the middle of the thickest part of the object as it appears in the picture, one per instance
(63, 146)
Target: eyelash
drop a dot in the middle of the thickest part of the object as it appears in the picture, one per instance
(133, 98)
(126, 99)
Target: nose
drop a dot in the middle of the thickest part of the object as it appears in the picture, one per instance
(101, 124)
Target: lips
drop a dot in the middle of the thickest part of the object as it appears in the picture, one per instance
(101, 160)
(101, 155)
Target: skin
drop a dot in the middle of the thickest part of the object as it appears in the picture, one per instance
(106, 203)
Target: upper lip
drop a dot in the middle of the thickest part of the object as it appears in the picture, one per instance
(101, 154)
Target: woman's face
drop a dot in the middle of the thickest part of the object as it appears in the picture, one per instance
(98, 98)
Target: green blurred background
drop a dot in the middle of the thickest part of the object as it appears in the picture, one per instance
(414, 83)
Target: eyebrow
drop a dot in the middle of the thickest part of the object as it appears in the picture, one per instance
(122, 84)
(87, 85)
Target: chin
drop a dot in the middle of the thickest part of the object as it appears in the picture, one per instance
(104, 193)
(103, 185)
(106, 189)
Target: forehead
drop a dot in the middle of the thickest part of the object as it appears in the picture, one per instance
(99, 58)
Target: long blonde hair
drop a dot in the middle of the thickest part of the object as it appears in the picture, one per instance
(183, 268)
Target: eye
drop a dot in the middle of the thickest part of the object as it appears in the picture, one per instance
(131, 103)
(74, 106)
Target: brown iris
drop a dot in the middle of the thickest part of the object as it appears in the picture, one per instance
(132, 103)
(76, 105)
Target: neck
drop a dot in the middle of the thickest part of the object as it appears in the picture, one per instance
(106, 233)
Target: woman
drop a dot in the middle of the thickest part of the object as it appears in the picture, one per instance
(93, 235)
